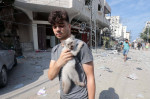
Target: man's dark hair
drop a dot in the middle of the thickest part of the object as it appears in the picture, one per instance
(126, 40)
(57, 17)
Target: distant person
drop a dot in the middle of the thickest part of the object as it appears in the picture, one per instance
(135, 45)
(147, 46)
(121, 45)
(132, 45)
(139, 45)
(143, 45)
(126, 46)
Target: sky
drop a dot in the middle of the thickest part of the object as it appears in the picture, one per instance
(133, 14)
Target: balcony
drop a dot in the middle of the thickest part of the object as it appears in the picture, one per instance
(43, 5)
(107, 8)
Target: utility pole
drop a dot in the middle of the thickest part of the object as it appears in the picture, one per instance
(147, 33)
(93, 27)
(91, 23)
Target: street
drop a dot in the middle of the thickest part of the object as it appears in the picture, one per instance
(115, 79)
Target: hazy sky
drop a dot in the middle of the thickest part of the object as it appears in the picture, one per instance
(133, 14)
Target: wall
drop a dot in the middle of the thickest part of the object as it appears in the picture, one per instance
(24, 31)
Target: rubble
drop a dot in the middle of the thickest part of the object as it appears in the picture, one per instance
(42, 92)
(132, 76)
(105, 69)
(140, 96)
(113, 52)
(138, 68)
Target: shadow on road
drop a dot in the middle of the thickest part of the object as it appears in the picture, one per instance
(108, 94)
(128, 58)
(30, 69)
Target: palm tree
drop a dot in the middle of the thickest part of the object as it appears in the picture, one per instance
(144, 35)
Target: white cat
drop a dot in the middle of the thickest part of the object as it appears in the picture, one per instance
(69, 72)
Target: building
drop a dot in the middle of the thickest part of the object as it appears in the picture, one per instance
(128, 35)
(36, 33)
(117, 29)
(124, 31)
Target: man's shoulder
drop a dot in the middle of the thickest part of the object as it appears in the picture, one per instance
(78, 40)
(55, 47)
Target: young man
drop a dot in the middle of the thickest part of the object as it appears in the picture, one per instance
(126, 46)
(84, 60)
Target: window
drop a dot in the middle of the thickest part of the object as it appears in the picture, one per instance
(99, 7)
(87, 2)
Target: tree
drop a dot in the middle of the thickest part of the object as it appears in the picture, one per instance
(144, 35)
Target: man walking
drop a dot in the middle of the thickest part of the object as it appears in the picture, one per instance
(126, 46)
(84, 60)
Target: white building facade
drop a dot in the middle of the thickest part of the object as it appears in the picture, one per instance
(117, 29)
(128, 35)
(36, 33)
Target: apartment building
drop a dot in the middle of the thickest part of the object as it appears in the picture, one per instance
(117, 29)
(128, 35)
(124, 31)
(36, 33)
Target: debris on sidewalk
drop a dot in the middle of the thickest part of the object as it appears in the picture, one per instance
(138, 68)
(105, 69)
(42, 92)
(19, 86)
(113, 52)
(58, 91)
(104, 55)
(140, 96)
(132, 76)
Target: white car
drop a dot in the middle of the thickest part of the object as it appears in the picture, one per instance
(7, 61)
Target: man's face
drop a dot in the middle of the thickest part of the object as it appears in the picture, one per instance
(62, 30)
(126, 41)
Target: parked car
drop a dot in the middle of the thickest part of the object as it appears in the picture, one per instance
(7, 61)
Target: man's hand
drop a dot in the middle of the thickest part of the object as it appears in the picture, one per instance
(55, 66)
(65, 56)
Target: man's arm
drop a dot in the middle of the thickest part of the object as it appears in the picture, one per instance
(89, 71)
(55, 66)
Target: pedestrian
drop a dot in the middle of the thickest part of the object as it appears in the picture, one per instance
(139, 45)
(135, 45)
(126, 46)
(85, 68)
(132, 45)
(143, 45)
(147, 46)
